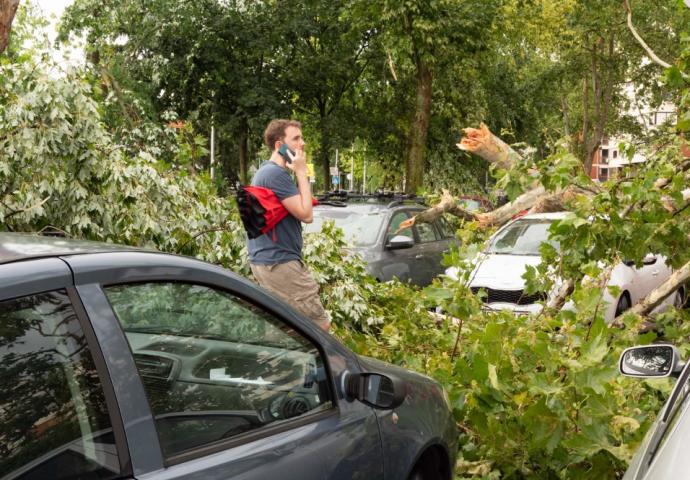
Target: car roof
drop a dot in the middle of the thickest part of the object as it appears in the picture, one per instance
(544, 216)
(16, 247)
(366, 207)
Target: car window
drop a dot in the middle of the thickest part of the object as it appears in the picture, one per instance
(427, 233)
(677, 402)
(393, 227)
(358, 227)
(470, 204)
(215, 366)
(55, 423)
(445, 228)
(522, 237)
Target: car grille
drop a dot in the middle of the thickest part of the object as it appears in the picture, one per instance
(518, 297)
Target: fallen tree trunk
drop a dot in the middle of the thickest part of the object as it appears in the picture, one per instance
(504, 214)
(657, 296)
(488, 146)
(446, 205)
(563, 293)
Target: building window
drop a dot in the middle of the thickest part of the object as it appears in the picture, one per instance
(615, 154)
(605, 142)
(604, 156)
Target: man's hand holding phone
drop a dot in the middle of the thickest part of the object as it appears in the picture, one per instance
(298, 163)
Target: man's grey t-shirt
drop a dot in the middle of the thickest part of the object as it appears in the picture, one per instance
(288, 232)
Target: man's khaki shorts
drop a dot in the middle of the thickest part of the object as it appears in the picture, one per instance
(293, 282)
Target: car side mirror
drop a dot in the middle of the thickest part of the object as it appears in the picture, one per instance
(400, 242)
(651, 361)
(384, 392)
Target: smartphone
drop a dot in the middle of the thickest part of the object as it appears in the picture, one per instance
(283, 150)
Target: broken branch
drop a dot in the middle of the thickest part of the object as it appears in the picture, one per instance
(644, 45)
(446, 205)
(488, 146)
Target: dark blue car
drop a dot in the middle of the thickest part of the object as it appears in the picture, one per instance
(122, 363)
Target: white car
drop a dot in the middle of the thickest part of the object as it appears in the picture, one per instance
(516, 245)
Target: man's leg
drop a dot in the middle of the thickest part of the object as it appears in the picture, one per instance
(293, 282)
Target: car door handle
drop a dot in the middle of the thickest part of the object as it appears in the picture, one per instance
(655, 272)
(419, 257)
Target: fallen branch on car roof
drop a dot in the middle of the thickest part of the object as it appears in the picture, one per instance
(537, 200)
(446, 205)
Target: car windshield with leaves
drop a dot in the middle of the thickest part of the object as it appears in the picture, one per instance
(359, 227)
(470, 204)
(523, 237)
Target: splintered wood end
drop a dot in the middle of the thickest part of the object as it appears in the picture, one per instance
(405, 225)
(474, 138)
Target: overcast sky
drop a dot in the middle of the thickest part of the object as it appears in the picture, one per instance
(56, 7)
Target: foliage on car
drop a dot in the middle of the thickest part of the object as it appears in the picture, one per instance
(533, 396)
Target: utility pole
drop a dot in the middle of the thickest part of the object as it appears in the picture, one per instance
(352, 169)
(213, 150)
(364, 184)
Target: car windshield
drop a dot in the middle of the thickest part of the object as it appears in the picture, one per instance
(470, 204)
(360, 228)
(522, 237)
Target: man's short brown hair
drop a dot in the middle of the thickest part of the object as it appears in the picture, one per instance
(275, 131)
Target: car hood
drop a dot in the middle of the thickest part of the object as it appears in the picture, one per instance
(503, 272)
(368, 254)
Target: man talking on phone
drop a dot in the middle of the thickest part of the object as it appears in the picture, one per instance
(277, 264)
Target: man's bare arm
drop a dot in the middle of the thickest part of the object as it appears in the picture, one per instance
(300, 206)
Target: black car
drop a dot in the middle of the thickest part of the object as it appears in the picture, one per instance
(370, 221)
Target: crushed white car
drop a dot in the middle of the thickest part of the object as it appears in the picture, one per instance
(517, 245)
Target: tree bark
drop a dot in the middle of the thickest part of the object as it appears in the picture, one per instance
(8, 9)
(446, 205)
(325, 162)
(559, 300)
(643, 44)
(244, 131)
(602, 99)
(420, 127)
(488, 146)
(566, 119)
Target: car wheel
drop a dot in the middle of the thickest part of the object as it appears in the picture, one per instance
(623, 304)
(417, 473)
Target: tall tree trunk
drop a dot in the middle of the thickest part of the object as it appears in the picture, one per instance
(8, 8)
(244, 131)
(324, 161)
(601, 93)
(420, 127)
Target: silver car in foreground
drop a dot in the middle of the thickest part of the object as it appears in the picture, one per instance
(662, 455)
